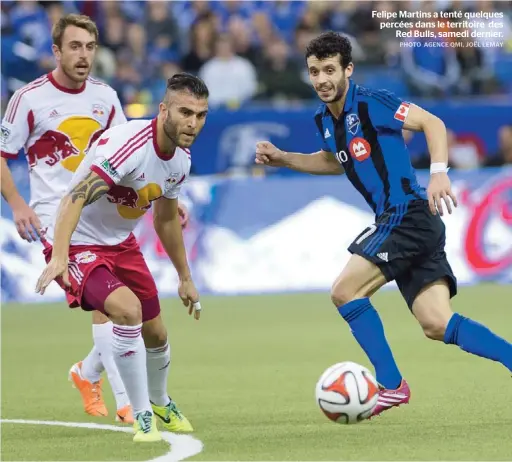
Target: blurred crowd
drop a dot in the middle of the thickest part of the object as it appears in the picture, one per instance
(249, 50)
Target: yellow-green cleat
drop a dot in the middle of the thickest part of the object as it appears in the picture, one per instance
(145, 428)
(171, 418)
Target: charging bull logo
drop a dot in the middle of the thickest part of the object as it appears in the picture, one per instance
(495, 205)
(68, 144)
(133, 204)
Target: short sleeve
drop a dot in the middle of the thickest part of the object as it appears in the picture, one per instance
(117, 116)
(16, 125)
(387, 111)
(174, 191)
(113, 158)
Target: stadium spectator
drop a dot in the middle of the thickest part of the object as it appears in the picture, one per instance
(280, 75)
(231, 79)
(202, 41)
(504, 154)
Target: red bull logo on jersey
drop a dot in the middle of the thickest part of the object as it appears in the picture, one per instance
(359, 149)
(67, 144)
(132, 204)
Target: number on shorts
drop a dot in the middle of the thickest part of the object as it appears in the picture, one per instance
(369, 232)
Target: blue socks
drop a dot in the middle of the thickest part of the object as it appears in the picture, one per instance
(368, 330)
(475, 338)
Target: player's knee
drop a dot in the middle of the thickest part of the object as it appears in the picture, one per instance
(342, 293)
(434, 330)
(128, 313)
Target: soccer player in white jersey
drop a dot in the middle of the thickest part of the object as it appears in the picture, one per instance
(96, 257)
(56, 118)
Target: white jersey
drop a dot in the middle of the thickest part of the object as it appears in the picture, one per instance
(128, 159)
(56, 126)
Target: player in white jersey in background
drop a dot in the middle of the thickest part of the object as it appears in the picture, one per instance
(56, 118)
(96, 257)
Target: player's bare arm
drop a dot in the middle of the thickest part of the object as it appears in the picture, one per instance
(26, 220)
(86, 192)
(435, 132)
(318, 163)
(167, 222)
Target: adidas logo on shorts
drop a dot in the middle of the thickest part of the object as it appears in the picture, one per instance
(383, 256)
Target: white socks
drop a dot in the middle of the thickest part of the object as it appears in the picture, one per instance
(102, 334)
(92, 367)
(130, 358)
(158, 364)
(101, 358)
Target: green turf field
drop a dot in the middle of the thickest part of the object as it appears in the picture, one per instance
(245, 376)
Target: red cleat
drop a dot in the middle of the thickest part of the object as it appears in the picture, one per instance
(392, 398)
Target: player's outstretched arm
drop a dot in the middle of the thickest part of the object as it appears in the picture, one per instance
(87, 191)
(437, 140)
(318, 163)
(167, 222)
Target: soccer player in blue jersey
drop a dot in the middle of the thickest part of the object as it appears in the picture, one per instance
(361, 131)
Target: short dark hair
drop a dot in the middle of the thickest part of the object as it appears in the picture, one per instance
(184, 81)
(330, 44)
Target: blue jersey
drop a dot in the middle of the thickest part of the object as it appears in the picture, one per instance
(367, 141)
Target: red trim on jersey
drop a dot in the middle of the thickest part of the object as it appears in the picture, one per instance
(111, 117)
(12, 108)
(159, 153)
(103, 175)
(30, 121)
(8, 155)
(58, 86)
(98, 82)
(127, 149)
(181, 180)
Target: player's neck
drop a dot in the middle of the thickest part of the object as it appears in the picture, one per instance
(336, 108)
(64, 81)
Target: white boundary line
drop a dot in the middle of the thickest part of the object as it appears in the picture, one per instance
(181, 447)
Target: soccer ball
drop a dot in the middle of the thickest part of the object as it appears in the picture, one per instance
(347, 393)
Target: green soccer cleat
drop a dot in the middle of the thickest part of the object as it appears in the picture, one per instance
(145, 429)
(171, 418)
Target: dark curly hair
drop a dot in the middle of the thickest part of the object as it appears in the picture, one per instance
(330, 44)
(185, 81)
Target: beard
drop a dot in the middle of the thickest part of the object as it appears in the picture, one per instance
(340, 91)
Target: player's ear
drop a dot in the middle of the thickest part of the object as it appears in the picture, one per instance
(56, 52)
(349, 70)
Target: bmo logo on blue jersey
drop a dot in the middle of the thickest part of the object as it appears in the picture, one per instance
(359, 149)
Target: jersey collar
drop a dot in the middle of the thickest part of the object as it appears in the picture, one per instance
(58, 86)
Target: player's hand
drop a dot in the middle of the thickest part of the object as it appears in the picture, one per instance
(268, 154)
(183, 213)
(190, 297)
(27, 222)
(55, 269)
(440, 188)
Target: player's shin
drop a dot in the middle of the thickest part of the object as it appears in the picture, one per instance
(103, 337)
(367, 328)
(158, 354)
(477, 339)
(128, 346)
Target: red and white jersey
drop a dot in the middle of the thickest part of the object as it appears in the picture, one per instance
(128, 159)
(56, 126)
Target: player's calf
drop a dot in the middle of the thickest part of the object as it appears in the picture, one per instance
(432, 309)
